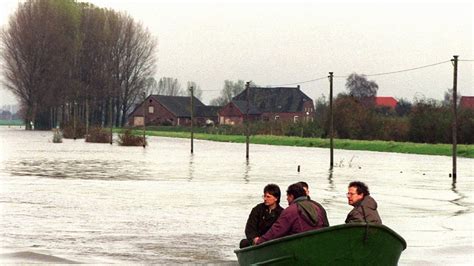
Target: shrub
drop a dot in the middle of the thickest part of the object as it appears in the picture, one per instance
(57, 136)
(128, 139)
(430, 123)
(392, 128)
(353, 120)
(466, 126)
(68, 131)
(98, 135)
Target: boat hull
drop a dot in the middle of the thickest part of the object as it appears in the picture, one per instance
(347, 244)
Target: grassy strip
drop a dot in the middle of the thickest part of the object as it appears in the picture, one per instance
(11, 123)
(346, 144)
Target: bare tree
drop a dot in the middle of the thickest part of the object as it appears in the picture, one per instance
(37, 46)
(61, 56)
(169, 86)
(230, 90)
(151, 86)
(359, 87)
(448, 98)
(137, 63)
(93, 63)
(197, 91)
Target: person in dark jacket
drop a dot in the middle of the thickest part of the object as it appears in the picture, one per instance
(365, 207)
(263, 215)
(324, 215)
(301, 215)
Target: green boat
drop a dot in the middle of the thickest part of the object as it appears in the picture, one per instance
(345, 244)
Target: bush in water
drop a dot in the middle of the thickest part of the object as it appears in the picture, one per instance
(57, 136)
(98, 135)
(127, 139)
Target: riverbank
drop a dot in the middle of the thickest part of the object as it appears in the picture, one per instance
(345, 144)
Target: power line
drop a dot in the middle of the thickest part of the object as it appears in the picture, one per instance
(369, 75)
(406, 70)
(299, 82)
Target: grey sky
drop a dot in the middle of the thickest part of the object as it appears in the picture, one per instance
(280, 42)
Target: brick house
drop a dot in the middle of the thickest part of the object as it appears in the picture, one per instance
(467, 102)
(172, 110)
(384, 101)
(280, 103)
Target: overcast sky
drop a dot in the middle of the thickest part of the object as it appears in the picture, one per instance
(282, 42)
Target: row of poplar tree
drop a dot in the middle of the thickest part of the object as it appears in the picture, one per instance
(68, 61)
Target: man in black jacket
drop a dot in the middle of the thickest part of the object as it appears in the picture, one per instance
(263, 215)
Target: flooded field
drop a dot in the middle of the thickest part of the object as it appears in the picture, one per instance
(102, 203)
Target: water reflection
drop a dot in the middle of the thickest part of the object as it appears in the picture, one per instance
(247, 169)
(331, 182)
(459, 201)
(191, 167)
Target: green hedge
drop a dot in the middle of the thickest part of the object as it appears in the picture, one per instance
(17, 122)
(346, 144)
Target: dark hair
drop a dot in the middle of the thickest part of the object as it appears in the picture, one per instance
(361, 187)
(304, 184)
(273, 190)
(296, 190)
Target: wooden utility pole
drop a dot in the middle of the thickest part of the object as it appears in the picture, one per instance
(144, 120)
(331, 124)
(247, 122)
(74, 117)
(192, 119)
(111, 115)
(455, 114)
(87, 117)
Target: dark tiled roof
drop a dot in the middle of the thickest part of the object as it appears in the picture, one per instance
(207, 111)
(178, 105)
(274, 100)
(242, 105)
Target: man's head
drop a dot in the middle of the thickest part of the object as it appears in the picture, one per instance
(271, 194)
(294, 191)
(356, 192)
(305, 187)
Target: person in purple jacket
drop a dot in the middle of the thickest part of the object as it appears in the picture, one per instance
(301, 215)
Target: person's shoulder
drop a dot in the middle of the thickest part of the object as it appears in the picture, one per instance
(370, 202)
(317, 203)
(260, 206)
(292, 207)
(279, 209)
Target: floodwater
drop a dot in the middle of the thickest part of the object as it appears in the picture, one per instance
(102, 203)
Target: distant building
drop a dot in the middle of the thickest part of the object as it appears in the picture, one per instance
(281, 103)
(385, 101)
(467, 102)
(12, 108)
(172, 110)
(5, 115)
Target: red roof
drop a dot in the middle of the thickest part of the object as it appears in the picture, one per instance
(467, 102)
(386, 101)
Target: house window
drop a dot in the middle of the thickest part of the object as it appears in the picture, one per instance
(138, 121)
(295, 118)
(151, 109)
